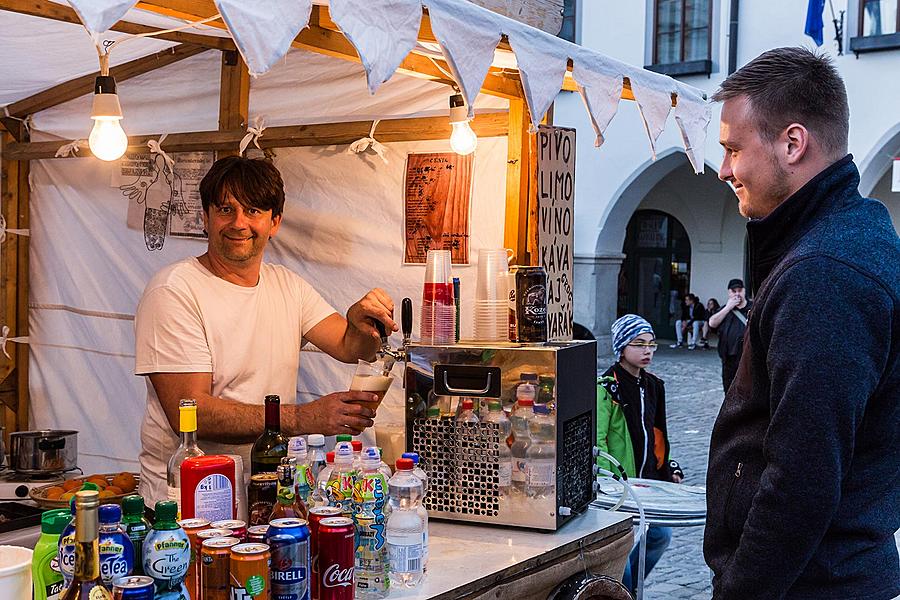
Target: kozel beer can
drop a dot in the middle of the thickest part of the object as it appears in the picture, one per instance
(337, 556)
(215, 567)
(530, 304)
(288, 541)
(135, 587)
(316, 514)
(249, 572)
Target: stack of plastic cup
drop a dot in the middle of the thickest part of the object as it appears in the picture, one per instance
(438, 325)
(491, 290)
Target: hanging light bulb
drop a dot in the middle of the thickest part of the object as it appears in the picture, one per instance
(107, 140)
(462, 140)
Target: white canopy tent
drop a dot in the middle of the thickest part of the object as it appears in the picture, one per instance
(80, 274)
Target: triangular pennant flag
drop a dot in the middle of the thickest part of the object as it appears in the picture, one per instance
(542, 62)
(468, 39)
(264, 29)
(382, 31)
(693, 113)
(99, 15)
(653, 100)
(599, 81)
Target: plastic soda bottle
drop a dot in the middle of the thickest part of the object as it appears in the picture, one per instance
(423, 514)
(316, 453)
(167, 553)
(540, 457)
(48, 581)
(383, 466)
(467, 414)
(404, 527)
(320, 492)
(116, 549)
(520, 419)
(342, 478)
(136, 528)
(496, 415)
(370, 497)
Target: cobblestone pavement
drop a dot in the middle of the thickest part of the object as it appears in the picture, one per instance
(693, 397)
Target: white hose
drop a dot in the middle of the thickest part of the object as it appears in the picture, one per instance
(642, 539)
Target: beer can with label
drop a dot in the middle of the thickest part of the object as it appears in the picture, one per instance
(261, 497)
(249, 571)
(238, 528)
(337, 558)
(135, 587)
(531, 304)
(288, 541)
(257, 533)
(215, 567)
(316, 514)
(192, 527)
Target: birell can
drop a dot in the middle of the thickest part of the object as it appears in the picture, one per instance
(316, 514)
(215, 567)
(288, 541)
(238, 528)
(337, 558)
(249, 572)
(134, 587)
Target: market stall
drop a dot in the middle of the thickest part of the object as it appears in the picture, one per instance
(344, 98)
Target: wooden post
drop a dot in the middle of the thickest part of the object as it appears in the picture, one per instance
(518, 171)
(234, 96)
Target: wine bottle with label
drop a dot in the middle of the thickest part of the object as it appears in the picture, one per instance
(187, 424)
(87, 584)
(272, 445)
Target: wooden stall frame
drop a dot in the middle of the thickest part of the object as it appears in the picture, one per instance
(322, 36)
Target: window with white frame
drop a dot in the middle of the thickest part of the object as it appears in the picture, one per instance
(878, 17)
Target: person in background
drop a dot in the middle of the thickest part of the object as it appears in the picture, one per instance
(696, 320)
(631, 424)
(681, 323)
(729, 323)
(803, 484)
(712, 307)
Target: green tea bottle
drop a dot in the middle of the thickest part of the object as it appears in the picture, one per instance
(136, 527)
(48, 580)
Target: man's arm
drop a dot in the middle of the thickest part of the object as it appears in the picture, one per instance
(355, 337)
(231, 422)
(716, 319)
(818, 396)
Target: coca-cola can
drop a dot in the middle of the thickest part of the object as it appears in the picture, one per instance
(316, 514)
(337, 556)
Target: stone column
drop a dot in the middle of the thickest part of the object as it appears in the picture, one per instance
(596, 293)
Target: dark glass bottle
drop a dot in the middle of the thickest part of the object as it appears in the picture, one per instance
(87, 584)
(272, 445)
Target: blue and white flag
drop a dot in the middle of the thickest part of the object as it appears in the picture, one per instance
(814, 25)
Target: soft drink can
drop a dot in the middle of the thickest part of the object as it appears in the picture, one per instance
(316, 514)
(134, 587)
(208, 534)
(249, 571)
(192, 527)
(257, 533)
(238, 528)
(288, 541)
(215, 567)
(337, 558)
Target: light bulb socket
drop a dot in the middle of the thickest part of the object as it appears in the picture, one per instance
(105, 84)
(459, 112)
(106, 106)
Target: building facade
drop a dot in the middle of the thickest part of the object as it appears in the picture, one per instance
(648, 231)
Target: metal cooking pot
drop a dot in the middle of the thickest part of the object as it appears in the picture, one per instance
(43, 452)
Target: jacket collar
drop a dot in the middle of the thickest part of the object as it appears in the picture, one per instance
(769, 238)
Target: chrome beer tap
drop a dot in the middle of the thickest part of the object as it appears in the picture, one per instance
(388, 355)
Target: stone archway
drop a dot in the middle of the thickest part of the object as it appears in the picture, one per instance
(875, 173)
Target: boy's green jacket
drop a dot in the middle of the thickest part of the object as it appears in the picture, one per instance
(612, 430)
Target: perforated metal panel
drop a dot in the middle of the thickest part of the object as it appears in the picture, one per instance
(462, 463)
(574, 471)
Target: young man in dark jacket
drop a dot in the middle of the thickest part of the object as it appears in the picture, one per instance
(803, 483)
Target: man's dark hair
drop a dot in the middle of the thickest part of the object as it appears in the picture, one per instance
(794, 85)
(251, 182)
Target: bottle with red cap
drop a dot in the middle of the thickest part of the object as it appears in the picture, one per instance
(467, 412)
(405, 529)
(521, 419)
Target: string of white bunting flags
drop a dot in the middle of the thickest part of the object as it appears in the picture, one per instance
(385, 31)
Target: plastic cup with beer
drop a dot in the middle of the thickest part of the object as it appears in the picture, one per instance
(369, 377)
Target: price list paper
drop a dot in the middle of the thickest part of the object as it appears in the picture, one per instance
(437, 197)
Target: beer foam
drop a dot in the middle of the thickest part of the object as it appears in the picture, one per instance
(370, 383)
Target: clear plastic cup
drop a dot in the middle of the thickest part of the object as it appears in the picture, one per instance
(490, 281)
(370, 377)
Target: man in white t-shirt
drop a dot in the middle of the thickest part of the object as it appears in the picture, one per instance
(226, 329)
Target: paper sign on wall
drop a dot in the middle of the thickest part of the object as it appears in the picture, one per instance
(437, 194)
(556, 215)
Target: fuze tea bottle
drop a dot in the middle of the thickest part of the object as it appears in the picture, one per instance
(116, 550)
(48, 581)
(136, 528)
(167, 554)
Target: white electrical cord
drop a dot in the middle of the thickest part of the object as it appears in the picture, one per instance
(642, 539)
(111, 45)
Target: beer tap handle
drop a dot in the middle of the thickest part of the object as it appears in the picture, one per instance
(382, 331)
(406, 318)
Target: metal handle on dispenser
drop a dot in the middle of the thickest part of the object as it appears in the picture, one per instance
(465, 391)
(467, 380)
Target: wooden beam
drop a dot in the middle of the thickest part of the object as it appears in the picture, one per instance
(80, 86)
(323, 134)
(58, 12)
(546, 15)
(517, 181)
(234, 95)
(22, 351)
